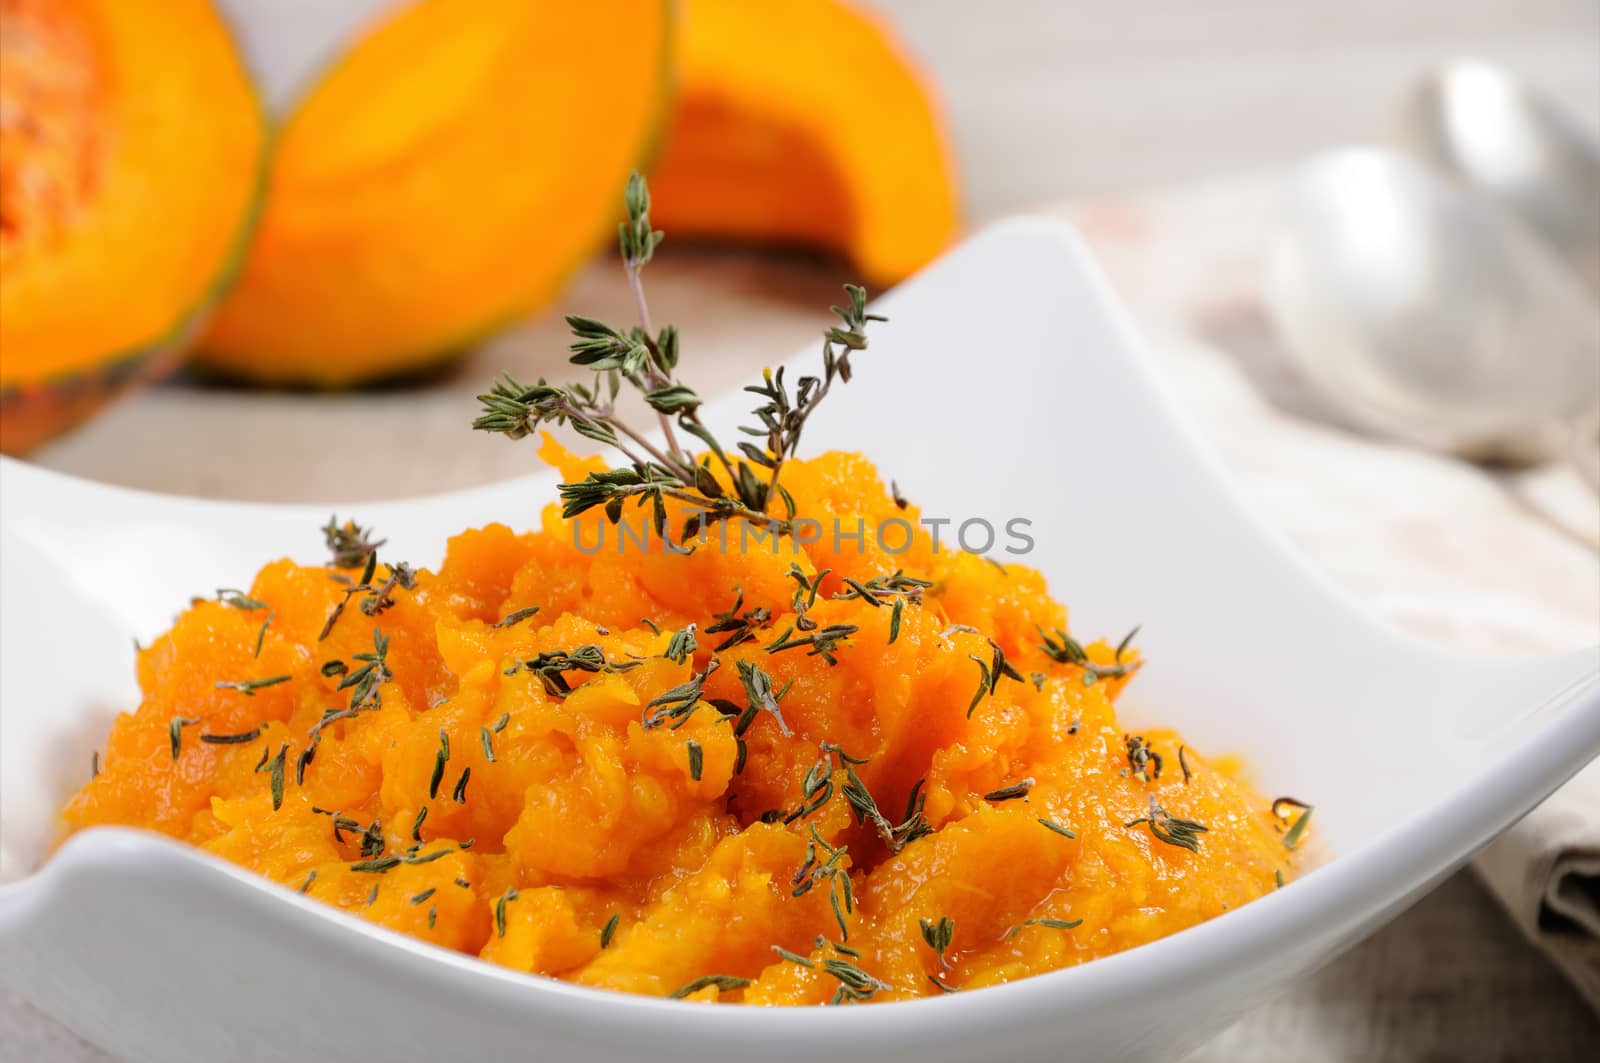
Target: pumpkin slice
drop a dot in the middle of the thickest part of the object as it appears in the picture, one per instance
(446, 175)
(131, 148)
(805, 123)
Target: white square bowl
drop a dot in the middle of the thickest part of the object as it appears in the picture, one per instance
(1007, 384)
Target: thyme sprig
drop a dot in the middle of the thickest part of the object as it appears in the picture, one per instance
(818, 788)
(376, 597)
(828, 868)
(551, 667)
(486, 736)
(794, 957)
(647, 361)
(739, 623)
(679, 703)
(366, 683)
(724, 983)
(898, 589)
(1183, 833)
(879, 589)
(275, 771)
(248, 687)
(500, 911)
(824, 641)
(238, 599)
(1056, 828)
(517, 617)
(1145, 762)
(681, 646)
(760, 695)
(990, 674)
(1064, 649)
(1285, 807)
(349, 543)
(1048, 923)
(806, 589)
(370, 837)
(175, 733)
(240, 738)
(855, 984)
(939, 934)
(441, 757)
(1015, 791)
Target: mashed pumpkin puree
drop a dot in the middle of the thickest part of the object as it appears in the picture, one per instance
(900, 777)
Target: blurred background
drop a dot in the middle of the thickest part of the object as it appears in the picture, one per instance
(302, 310)
(1092, 100)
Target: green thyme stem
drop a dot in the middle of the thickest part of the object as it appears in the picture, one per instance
(638, 242)
(647, 361)
(608, 422)
(693, 416)
(722, 507)
(657, 380)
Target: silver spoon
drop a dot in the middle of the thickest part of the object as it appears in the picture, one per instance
(1480, 126)
(1421, 312)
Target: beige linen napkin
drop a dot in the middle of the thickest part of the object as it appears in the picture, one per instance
(1546, 871)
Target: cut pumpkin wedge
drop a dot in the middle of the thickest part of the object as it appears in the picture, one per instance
(804, 123)
(131, 150)
(445, 176)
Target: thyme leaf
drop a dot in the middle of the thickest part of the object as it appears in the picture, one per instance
(248, 687)
(939, 934)
(1284, 807)
(349, 544)
(1064, 649)
(441, 757)
(1145, 761)
(365, 683)
(500, 911)
(824, 642)
(678, 703)
(854, 982)
(232, 739)
(1010, 793)
(1182, 833)
(681, 646)
(724, 983)
(758, 690)
(513, 618)
(275, 770)
(175, 733)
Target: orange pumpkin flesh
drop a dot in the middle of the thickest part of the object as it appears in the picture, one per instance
(579, 814)
(804, 123)
(445, 176)
(118, 223)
